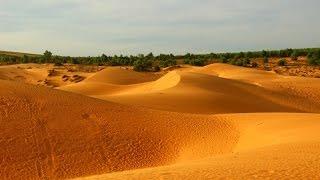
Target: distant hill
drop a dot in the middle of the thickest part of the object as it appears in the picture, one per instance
(17, 54)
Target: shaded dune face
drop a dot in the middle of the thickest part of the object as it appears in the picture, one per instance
(51, 134)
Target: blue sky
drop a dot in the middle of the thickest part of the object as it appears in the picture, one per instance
(93, 27)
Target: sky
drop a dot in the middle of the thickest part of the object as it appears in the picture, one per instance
(130, 27)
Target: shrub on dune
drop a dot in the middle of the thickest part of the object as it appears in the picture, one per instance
(282, 62)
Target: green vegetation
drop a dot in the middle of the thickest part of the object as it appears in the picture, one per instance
(142, 65)
(282, 62)
(166, 60)
(47, 56)
(295, 55)
(196, 62)
(150, 62)
(314, 58)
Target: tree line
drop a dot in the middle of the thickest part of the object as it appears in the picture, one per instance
(150, 62)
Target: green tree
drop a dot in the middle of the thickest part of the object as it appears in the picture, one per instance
(25, 59)
(150, 56)
(75, 60)
(142, 65)
(167, 62)
(249, 55)
(104, 58)
(47, 56)
(264, 53)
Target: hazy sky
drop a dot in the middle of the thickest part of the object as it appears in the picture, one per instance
(93, 27)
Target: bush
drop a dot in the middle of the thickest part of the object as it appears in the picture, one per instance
(314, 58)
(167, 63)
(264, 53)
(47, 56)
(197, 62)
(25, 59)
(313, 61)
(254, 64)
(224, 60)
(236, 62)
(282, 62)
(142, 65)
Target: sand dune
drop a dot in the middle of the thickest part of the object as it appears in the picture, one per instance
(236, 72)
(214, 122)
(212, 91)
(65, 135)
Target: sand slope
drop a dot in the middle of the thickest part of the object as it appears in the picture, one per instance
(58, 135)
(270, 145)
(288, 161)
(122, 76)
